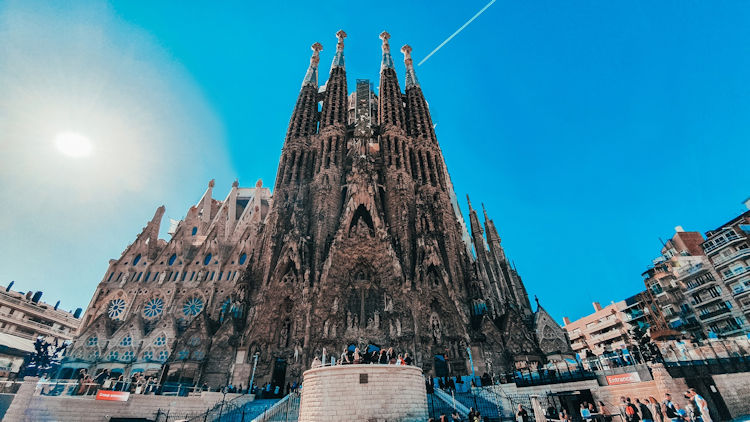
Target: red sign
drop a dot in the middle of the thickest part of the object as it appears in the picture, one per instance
(626, 378)
(112, 395)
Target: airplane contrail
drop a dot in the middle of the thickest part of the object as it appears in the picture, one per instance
(456, 33)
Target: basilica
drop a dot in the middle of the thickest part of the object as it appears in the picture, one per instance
(360, 242)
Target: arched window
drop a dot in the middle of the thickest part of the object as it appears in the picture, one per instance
(171, 259)
(195, 230)
(243, 258)
(192, 306)
(161, 340)
(153, 308)
(116, 308)
(183, 354)
(136, 259)
(126, 341)
(113, 355)
(163, 355)
(207, 259)
(148, 355)
(92, 341)
(127, 356)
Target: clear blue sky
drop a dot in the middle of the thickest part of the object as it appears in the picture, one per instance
(589, 129)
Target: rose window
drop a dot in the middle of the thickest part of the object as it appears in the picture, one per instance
(116, 308)
(192, 306)
(153, 308)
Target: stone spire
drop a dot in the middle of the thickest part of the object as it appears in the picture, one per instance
(411, 76)
(338, 59)
(311, 77)
(387, 62)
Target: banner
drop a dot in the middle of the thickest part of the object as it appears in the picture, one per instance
(626, 378)
(112, 395)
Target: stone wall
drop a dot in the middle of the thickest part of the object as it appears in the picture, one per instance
(735, 389)
(379, 393)
(28, 406)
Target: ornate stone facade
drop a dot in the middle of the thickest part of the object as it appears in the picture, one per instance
(363, 242)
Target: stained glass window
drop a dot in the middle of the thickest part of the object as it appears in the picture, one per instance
(171, 259)
(116, 308)
(160, 341)
(136, 259)
(163, 355)
(92, 341)
(207, 259)
(126, 341)
(113, 355)
(192, 306)
(243, 257)
(148, 355)
(127, 355)
(153, 308)
(94, 355)
(183, 354)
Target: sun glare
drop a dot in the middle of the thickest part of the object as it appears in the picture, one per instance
(73, 144)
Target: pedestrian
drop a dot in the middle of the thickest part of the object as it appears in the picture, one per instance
(407, 359)
(631, 411)
(669, 409)
(455, 417)
(646, 414)
(585, 412)
(655, 408)
(521, 414)
(701, 405)
(604, 410)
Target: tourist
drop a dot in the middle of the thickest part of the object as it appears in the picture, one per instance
(345, 357)
(316, 362)
(585, 412)
(443, 418)
(655, 408)
(681, 412)
(441, 384)
(383, 357)
(390, 354)
(374, 356)
(521, 414)
(631, 411)
(455, 417)
(357, 356)
(551, 412)
(400, 360)
(646, 414)
(669, 409)
(564, 416)
(623, 406)
(407, 359)
(701, 405)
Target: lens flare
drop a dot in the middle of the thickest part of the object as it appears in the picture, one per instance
(73, 144)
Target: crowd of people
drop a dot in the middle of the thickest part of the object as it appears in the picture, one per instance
(370, 355)
(636, 410)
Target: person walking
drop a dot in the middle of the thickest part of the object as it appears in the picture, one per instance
(521, 414)
(646, 415)
(631, 411)
(669, 409)
(701, 405)
(655, 408)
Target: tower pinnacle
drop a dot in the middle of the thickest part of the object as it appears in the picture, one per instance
(311, 77)
(338, 59)
(387, 62)
(411, 76)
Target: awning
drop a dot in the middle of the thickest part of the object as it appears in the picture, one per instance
(10, 343)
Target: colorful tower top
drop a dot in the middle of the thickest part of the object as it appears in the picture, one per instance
(338, 59)
(387, 62)
(311, 77)
(411, 76)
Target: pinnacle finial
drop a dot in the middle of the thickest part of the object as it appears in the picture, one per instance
(338, 59)
(387, 62)
(311, 77)
(411, 76)
(236, 183)
(211, 183)
(467, 195)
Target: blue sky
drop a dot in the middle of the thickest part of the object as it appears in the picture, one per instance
(589, 129)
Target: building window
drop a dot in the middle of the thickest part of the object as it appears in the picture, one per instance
(92, 341)
(153, 308)
(172, 259)
(192, 275)
(116, 308)
(148, 355)
(194, 341)
(126, 341)
(163, 355)
(110, 276)
(212, 275)
(195, 230)
(221, 274)
(243, 258)
(192, 306)
(161, 340)
(199, 354)
(183, 276)
(113, 355)
(136, 259)
(148, 274)
(183, 354)
(207, 259)
(127, 356)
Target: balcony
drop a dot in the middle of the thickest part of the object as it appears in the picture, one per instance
(727, 259)
(719, 242)
(713, 314)
(740, 290)
(738, 271)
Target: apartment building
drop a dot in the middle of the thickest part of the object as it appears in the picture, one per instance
(600, 333)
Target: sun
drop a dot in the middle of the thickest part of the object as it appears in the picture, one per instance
(73, 144)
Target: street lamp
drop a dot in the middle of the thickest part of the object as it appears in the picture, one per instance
(252, 377)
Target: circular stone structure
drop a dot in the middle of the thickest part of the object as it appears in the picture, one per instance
(382, 393)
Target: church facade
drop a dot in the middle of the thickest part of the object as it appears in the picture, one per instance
(361, 243)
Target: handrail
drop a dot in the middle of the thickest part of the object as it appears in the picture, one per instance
(276, 408)
(451, 401)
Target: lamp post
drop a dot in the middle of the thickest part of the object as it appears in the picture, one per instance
(252, 377)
